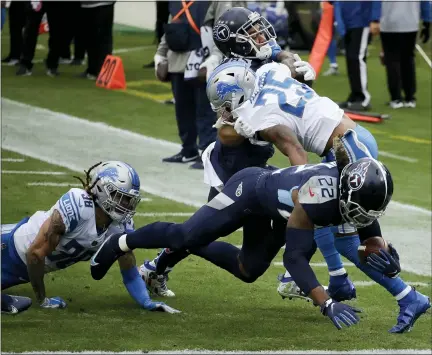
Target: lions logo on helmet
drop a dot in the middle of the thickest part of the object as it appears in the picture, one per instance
(222, 89)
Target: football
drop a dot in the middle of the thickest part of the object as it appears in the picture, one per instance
(371, 245)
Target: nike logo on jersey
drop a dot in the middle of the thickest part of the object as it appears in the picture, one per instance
(312, 194)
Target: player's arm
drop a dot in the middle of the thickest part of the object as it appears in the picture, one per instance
(137, 287)
(388, 262)
(45, 243)
(299, 242)
(286, 141)
(228, 136)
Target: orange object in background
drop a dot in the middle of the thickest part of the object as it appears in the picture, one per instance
(112, 74)
(323, 38)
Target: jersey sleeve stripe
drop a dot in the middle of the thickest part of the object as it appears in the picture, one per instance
(75, 205)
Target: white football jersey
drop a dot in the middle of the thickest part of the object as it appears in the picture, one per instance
(279, 99)
(81, 239)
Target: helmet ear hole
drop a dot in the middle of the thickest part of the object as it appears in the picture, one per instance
(241, 100)
(99, 189)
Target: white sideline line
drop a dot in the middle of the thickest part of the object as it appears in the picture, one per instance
(398, 157)
(12, 160)
(407, 227)
(131, 49)
(424, 55)
(25, 172)
(163, 214)
(372, 283)
(203, 351)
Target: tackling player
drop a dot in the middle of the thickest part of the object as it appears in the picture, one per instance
(295, 118)
(71, 231)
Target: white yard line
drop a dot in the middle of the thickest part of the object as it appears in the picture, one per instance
(132, 49)
(407, 227)
(30, 172)
(397, 157)
(12, 160)
(54, 184)
(280, 263)
(163, 214)
(235, 352)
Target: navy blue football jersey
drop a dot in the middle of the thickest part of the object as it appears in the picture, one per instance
(317, 187)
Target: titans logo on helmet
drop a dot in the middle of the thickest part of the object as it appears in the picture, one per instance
(222, 89)
(357, 177)
(221, 32)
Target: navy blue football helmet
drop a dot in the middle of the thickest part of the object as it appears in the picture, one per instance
(237, 30)
(366, 188)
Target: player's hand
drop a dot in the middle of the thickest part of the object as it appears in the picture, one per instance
(304, 68)
(425, 32)
(53, 302)
(160, 307)
(243, 128)
(275, 49)
(387, 263)
(340, 313)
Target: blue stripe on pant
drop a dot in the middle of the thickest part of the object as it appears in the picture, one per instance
(359, 143)
(13, 270)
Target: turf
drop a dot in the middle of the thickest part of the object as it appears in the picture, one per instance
(219, 312)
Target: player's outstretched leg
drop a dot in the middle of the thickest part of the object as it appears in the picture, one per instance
(340, 286)
(14, 304)
(412, 304)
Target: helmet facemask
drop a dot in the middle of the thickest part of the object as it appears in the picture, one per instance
(119, 205)
(351, 211)
(246, 35)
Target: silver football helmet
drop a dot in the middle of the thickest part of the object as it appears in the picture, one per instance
(116, 189)
(230, 85)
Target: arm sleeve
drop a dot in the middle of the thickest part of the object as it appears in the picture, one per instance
(373, 230)
(136, 286)
(72, 209)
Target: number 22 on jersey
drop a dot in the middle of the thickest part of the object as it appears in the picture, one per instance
(279, 88)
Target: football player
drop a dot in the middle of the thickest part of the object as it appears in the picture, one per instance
(70, 231)
(295, 118)
(310, 195)
(239, 34)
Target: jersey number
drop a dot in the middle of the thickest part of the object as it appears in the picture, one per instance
(76, 252)
(303, 91)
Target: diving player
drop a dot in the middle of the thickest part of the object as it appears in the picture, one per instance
(71, 231)
(232, 153)
(310, 195)
(295, 118)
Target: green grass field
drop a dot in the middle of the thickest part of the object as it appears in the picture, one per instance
(218, 311)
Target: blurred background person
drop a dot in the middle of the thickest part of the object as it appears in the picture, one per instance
(162, 15)
(98, 19)
(183, 48)
(57, 20)
(399, 24)
(356, 17)
(17, 19)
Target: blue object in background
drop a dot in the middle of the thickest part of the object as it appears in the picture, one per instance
(3, 16)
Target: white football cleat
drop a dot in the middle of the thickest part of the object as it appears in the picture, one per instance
(288, 288)
(156, 284)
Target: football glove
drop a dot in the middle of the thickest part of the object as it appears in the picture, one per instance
(160, 307)
(425, 32)
(53, 302)
(304, 68)
(387, 264)
(340, 313)
(243, 128)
